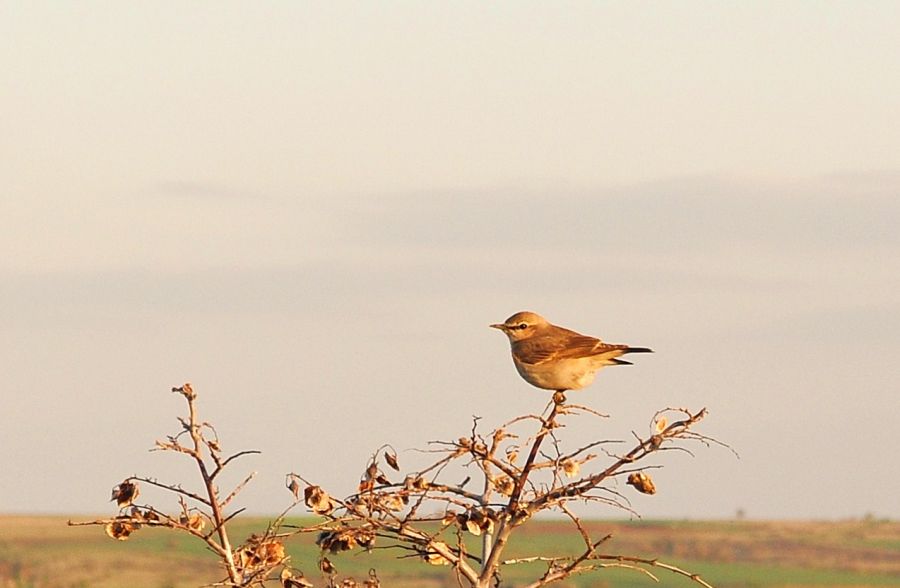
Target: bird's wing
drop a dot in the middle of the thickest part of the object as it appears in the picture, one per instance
(537, 350)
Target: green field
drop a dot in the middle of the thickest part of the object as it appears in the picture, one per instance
(39, 552)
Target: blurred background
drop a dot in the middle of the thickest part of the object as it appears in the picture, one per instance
(312, 211)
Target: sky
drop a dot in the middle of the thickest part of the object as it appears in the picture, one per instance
(312, 211)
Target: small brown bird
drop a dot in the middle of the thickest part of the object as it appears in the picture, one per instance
(555, 358)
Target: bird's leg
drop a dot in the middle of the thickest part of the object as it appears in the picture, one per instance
(559, 397)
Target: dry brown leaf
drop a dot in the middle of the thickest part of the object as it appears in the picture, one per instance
(391, 459)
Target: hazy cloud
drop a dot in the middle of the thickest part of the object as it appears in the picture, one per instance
(678, 215)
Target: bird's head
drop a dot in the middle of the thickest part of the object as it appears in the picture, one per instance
(521, 325)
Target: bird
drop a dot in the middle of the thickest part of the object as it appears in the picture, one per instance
(555, 358)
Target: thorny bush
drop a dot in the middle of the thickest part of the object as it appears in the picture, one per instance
(516, 471)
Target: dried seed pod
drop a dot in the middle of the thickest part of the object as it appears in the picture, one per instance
(391, 459)
(661, 424)
(434, 558)
(269, 552)
(372, 581)
(570, 467)
(391, 502)
(125, 493)
(121, 528)
(642, 483)
(195, 522)
(290, 580)
(261, 551)
(318, 500)
(473, 527)
(294, 487)
(487, 523)
(332, 541)
(504, 485)
(365, 538)
(476, 522)
(327, 567)
(324, 539)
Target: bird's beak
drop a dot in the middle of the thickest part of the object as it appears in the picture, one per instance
(500, 326)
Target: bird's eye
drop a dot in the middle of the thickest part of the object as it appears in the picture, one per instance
(522, 326)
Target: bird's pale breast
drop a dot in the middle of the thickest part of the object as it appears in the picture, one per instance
(567, 374)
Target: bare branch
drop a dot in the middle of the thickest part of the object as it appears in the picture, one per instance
(237, 489)
(176, 488)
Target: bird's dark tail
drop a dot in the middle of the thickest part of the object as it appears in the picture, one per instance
(612, 352)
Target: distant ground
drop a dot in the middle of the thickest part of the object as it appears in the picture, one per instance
(41, 552)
